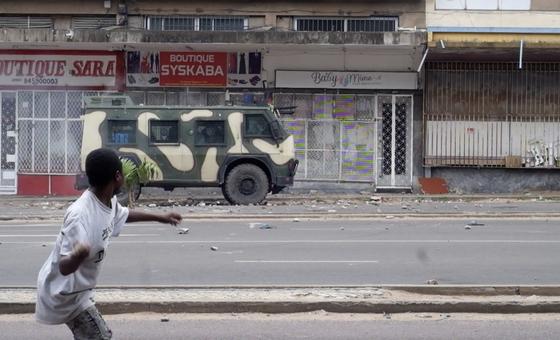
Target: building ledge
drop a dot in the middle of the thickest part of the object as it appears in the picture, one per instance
(135, 36)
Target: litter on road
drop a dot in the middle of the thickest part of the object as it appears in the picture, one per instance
(261, 226)
(182, 231)
(213, 248)
(475, 224)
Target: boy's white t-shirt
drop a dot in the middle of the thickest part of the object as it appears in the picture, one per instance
(61, 298)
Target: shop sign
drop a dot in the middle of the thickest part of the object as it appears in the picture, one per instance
(39, 69)
(347, 80)
(193, 69)
(196, 69)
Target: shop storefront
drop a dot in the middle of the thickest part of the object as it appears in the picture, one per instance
(41, 93)
(350, 126)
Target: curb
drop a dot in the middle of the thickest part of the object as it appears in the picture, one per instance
(316, 216)
(288, 307)
(334, 299)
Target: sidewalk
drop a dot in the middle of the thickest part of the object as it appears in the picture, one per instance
(210, 204)
(382, 299)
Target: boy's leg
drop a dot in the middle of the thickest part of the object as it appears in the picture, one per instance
(89, 325)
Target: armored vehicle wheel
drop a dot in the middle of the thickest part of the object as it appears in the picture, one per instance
(246, 184)
(122, 196)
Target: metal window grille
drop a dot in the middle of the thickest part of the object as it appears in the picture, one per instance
(192, 23)
(25, 22)
(87, 22)
(50, 131)
(492, 114)
(371, 24)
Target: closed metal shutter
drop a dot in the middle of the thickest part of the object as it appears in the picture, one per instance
(25, 22)
(93, 22)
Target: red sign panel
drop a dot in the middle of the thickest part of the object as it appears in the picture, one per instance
(61, 69)
(206, 69)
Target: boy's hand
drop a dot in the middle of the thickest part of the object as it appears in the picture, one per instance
(171, 218)
(81, 251)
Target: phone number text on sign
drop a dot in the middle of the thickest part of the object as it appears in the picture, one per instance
(207, 69)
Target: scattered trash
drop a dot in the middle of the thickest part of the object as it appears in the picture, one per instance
(152, 205)
(432, 282)
(387, 315)
(456, 207)
(43, 245)
(341, 228)
(164, 319)
(468, 227)
(183, 231)
(264, 226)
(296, 219)
(332, 211)
(389, 217)
(261, 226)
(474, 223)
(202, 204)
(375, 198)
(425, 316)
(213, 248)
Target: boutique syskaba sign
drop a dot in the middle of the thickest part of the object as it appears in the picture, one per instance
(96, 70)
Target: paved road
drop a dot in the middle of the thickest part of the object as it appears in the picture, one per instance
(302, 326)
(309, 252)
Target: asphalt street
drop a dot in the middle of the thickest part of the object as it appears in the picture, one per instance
(302, 326)
(314, 252)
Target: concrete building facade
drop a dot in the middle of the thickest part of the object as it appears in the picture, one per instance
(348, 71)
(491, 99)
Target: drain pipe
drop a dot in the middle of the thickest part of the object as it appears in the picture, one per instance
(521, 54)
(423, 60)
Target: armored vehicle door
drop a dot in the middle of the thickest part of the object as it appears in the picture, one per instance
(212, 140)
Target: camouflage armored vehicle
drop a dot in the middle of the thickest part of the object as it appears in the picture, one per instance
(243, 150)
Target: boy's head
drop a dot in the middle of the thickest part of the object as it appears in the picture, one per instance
(104, 168)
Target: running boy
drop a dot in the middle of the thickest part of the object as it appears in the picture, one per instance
(67, 279)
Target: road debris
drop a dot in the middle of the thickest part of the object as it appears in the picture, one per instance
(468, 227)
(261, 226)
(341, 228)
(152, 205)
(296, 219)
(213, 248)
(389, 217)
(164, 319)
(432, 282)
(182, 231)
(474, 223)
(331, 211)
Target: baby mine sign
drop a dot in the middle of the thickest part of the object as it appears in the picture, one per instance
(60, 69)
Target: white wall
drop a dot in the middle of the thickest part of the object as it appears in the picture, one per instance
(395, 59)
(488, 18)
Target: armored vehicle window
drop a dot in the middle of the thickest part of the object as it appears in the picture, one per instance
(164, 131)
(257, 126)
(210, 132)
(122, 131)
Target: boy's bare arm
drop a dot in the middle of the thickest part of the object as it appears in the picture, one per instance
(70, 263)
(141, 216)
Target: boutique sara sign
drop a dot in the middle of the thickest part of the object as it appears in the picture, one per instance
(346, 80)
(97, 70)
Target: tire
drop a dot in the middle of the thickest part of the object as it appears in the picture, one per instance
(246, 184)
(122, 196)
